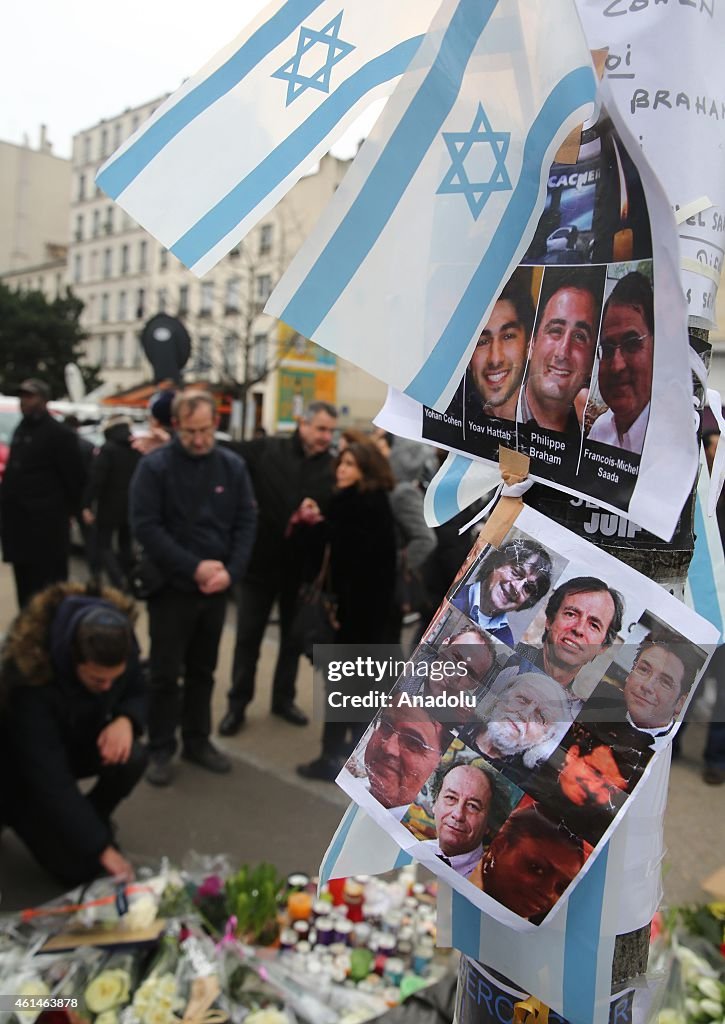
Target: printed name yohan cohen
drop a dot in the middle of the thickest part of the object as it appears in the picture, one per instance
(443, 417)
(549, 452)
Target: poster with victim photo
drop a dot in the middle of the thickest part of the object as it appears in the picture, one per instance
(561, 674)
(581, 363)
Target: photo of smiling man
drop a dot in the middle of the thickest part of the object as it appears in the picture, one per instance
(561, 356)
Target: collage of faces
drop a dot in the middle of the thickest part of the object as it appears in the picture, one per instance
(563, 367)
(572, 696)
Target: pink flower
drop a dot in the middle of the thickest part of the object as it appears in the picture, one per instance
(211, 887)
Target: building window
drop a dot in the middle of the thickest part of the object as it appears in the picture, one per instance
(183, 300)
(231, 295)
(103, 350)
(58, 284)
(137, 354)
(104, 143)
(90, 309)
(258, 362)
(203, 361)
(140, 302)
(161, 300)
(263, 287)
(120, 350)
(79, 228)
(207, 298)
(117, 134)
(86, 151)
(77, 268)
(163, 258)
(81, 186)
(93, 269)
(231, 348)
(96, 223)
(107, 262)
(142, 254)
(134, 122)
(108, 226)
(124, 259)
(122, 306)
(104, 307)
(265, 239)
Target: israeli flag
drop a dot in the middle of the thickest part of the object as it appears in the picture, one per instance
(443, 199)
(228, 145)
(567, 962)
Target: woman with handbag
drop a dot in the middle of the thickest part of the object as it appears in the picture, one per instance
(360, 532)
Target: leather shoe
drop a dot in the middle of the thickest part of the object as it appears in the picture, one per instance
(713, 775)
(207, 756)
(160, 771)
(231, 723)
(291, 713)
(324, 769)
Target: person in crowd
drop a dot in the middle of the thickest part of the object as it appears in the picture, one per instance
(360, 531)
(462, 794)
(285, 472)
(404, 748)
(105, 502)
(510, 579)
(529, 864)
(72, 706)
(88, 454)
(523, 724)
(562, 352)
(87, 447)
(159, 422)
(41, 492)
(193, 512)
(626, 354)
(494, 375)
(582, 619)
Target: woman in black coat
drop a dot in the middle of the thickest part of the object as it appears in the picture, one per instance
(360, 531)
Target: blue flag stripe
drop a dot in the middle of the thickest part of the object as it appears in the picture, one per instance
(583, 919)
(445, 499)
(328, 865)
(268, 36)
(702, 579)
(574, 89)
(465, 925)
(245, 196)
(395, 168)
(402, 860)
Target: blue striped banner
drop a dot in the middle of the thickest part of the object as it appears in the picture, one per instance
(576, 88)
(393, 172)
(281, 162)
(119, 174)
(581, 943)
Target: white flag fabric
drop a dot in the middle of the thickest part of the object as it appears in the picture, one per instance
(705, 590)
(567, 962)
(228, 144)
(443, 198)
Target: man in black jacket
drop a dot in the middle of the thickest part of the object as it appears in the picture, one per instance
(194, 513)
(285, 471)
(41, 490)
(72, 705)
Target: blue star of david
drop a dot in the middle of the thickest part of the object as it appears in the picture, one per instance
(460, 144)
(337, 50)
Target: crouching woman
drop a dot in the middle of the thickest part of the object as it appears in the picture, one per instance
(72, 706)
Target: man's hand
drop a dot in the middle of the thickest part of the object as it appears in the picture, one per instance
(221, 580)
(150, 442)
(116, 865)
(115, 741)
(88, 517)
(204, 572)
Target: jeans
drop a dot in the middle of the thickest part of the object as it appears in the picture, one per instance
(185, 630)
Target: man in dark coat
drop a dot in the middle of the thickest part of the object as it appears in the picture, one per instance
(72, 705)
(41, 491)
(194, 513)
(105, 502)
(284, 471)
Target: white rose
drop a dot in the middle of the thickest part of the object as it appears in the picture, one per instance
(710, 988)
(32, 988)
(107, 1017)
(141, 914)
(268, 1016)
(108, 990)
(712, 1007)
(692, 1006)
(669, 1016)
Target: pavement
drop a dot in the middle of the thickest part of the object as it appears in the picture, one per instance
(263, 811)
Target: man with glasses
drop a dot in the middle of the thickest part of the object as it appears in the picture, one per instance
(404, 748)
(511, 579)
(626, 351)
(562, 351)
(193, 511)
(655, 691)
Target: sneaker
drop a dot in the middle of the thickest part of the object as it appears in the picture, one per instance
(160, 771)
(207, 756)
(713, 775)
(324, 769)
